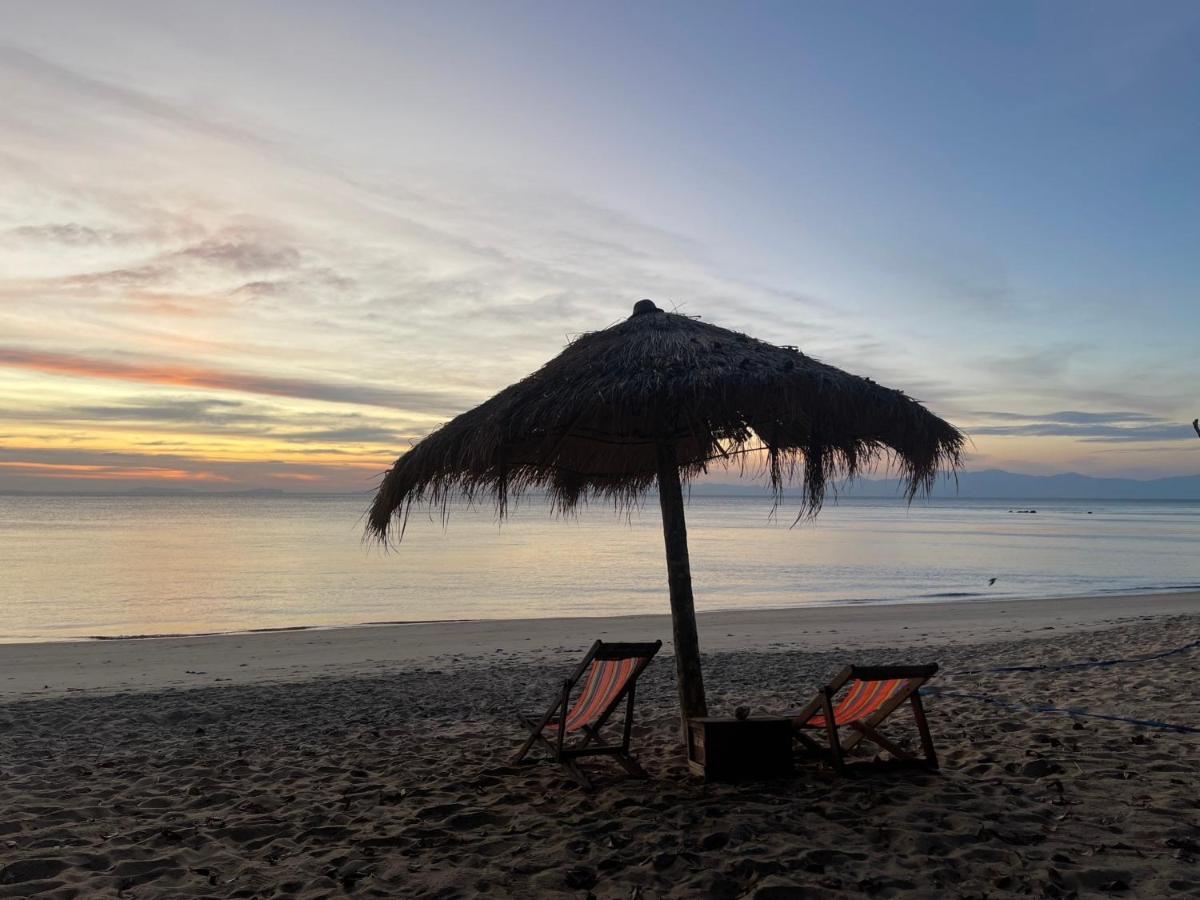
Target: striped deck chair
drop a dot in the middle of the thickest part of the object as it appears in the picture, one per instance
(875, 692)
(612, 672)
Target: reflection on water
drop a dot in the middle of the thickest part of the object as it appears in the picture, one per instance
(74, 567)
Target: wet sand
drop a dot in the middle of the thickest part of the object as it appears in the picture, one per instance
(319, 772)
(108, 666)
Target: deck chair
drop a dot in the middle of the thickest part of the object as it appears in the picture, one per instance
(612, 672)
(875, 693)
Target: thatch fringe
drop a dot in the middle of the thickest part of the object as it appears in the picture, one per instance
(586, 425)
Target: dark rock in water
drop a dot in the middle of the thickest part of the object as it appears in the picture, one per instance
(664, 860)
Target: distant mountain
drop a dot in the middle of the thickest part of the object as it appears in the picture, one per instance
(1001, 485)
(997, 484)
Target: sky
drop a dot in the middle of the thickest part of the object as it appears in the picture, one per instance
(272, 244)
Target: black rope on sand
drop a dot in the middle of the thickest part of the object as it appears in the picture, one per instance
(1070, 711)
(1092, 664)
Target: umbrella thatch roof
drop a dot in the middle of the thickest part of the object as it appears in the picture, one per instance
(590, 421)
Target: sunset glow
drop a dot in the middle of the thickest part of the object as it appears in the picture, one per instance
(283, 280)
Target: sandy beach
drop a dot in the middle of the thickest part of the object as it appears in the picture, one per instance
(376, 762)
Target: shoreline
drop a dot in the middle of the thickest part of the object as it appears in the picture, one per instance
(96, 667)
(933, 599)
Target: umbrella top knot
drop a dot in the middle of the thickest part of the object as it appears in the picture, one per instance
(644, 306)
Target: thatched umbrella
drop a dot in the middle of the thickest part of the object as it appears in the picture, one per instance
(654, 400)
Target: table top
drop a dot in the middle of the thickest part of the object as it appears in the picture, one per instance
(730, 720)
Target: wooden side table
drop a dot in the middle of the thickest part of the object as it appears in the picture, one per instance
(738, 749)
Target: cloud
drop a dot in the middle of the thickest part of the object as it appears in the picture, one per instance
(1074, 417)
(1039, 365)
(261, 288)
(184, 415)
(97, 95)
(110, 473)
(69, 233)
(116, 279)
(441, 286)
(362, 434)
(183, 375)
(33, 468)
(208, 410)
(1088, 427)
(241, 255)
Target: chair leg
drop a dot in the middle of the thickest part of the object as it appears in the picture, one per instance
(873, 735)
(527, 746)
(835, 746)
(918, 709)
(811, 745)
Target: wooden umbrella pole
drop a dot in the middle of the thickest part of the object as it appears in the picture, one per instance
(679, 577)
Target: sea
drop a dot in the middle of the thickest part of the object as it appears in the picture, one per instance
(90, 567)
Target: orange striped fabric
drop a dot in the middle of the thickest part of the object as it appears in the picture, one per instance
(863, 698)
(605, 680)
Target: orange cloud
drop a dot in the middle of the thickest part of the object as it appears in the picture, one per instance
(111, 473)
(182, 375)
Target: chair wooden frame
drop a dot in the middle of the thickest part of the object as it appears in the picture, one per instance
(558, 712)
(867, 728)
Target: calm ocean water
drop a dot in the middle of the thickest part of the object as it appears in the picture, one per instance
(104, 566)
